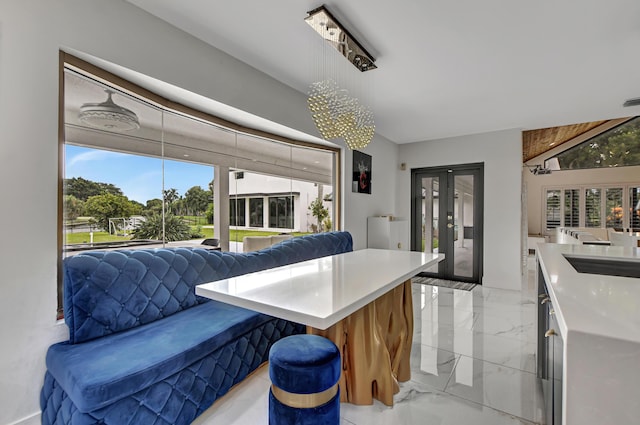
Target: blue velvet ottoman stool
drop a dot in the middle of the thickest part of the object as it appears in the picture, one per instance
(304, 371)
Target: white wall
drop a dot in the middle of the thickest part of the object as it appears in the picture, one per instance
(254, 183)
(359, 206)
(31, 34)
(536, 185)
(501, 153)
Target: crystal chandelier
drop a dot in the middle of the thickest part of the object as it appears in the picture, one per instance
(335, 112)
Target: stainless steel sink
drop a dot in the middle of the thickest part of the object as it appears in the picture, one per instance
(605, 266)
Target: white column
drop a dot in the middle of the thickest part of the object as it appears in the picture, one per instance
(221, 205)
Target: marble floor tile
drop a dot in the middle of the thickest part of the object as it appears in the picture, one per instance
(450, 316)
(502, 388)
(418, 404)
(511, 352)
(431, 366)
(520, 326)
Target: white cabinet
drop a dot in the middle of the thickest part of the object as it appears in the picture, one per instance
(385, 233)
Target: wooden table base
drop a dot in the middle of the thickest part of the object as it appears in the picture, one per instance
(375, 345)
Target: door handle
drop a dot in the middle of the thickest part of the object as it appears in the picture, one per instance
(449, 225)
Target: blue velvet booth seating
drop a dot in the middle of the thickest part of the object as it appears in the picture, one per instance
(144, 349)
(304, 371)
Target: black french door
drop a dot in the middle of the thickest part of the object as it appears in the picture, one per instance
(447, 210)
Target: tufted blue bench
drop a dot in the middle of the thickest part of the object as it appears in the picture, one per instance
(144, 349)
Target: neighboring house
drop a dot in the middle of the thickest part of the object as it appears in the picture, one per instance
(274, 203)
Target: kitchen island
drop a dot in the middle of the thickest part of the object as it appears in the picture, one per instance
(597, 317)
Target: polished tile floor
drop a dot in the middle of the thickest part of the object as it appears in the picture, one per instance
(473, 362)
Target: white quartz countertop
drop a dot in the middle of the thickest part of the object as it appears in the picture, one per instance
(593, 304)
(322, 291)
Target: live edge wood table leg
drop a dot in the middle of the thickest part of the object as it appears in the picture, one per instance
(375, 345)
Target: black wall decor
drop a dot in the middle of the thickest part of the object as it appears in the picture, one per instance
(361, 182)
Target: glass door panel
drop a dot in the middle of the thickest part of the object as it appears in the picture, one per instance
(463, 226)
(429, 235)
(430, 193)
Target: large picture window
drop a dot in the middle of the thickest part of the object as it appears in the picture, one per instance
(147, 177)
(617, 147)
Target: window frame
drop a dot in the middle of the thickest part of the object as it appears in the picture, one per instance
(545, 208)
(586, 220)
(235, 215)
(573, 192)
(67, 60)
(633, 224)
(581, 143)
(260, 217)
(289, 214)
(626, 200)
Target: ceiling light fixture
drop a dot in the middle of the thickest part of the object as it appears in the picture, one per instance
(323, 22)
(549, 166)
(335, 112)
(537, 170)
(631, 102)
(108, 115)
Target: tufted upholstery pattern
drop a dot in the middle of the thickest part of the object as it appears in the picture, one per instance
(179, 398)
(107, 292)
(144, 349)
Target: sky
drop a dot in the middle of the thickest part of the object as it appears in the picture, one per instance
(139, 177)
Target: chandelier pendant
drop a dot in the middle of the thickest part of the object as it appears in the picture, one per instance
(337, 114)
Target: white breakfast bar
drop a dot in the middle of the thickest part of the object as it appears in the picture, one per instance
(597, 320)
(361, 300)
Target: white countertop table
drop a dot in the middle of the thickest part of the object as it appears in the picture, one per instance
(599, 320)
(360, 300)
(592, 304)
(323, 291)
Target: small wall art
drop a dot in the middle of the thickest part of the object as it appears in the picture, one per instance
(361, 182)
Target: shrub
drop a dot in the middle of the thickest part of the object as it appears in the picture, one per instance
(197, 232)
(175, 229)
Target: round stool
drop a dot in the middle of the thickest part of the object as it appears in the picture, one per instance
(304, 371)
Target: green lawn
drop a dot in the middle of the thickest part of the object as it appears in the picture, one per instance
(84, 237)
(234, 235)
(194, 220)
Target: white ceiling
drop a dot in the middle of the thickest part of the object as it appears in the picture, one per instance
(446, 68)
